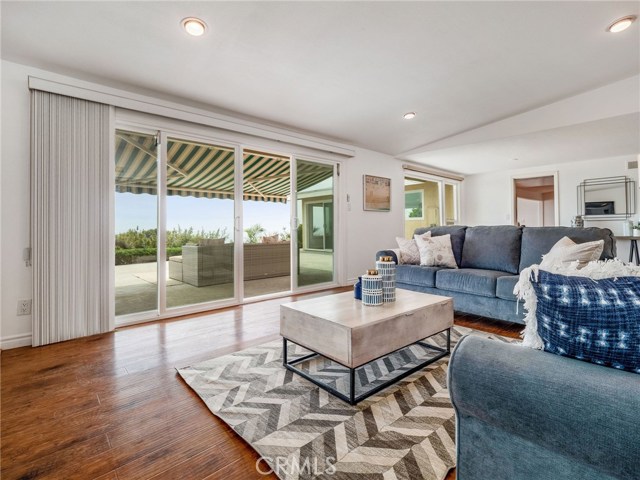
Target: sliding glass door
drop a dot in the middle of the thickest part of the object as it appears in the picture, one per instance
(266, 213)
(429, 202)
(315, 198)
(136, 222)
(200, 225)
(199, 229)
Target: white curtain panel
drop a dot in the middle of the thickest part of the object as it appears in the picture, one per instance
(70, 198)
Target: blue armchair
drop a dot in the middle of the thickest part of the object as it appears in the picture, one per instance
(525, 414)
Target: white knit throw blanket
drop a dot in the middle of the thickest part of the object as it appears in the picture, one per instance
(594, 270)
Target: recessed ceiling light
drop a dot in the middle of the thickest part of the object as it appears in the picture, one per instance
(621, 24)
(409, 115)
(194, 26)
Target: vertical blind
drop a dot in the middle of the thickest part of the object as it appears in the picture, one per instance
(70, 171)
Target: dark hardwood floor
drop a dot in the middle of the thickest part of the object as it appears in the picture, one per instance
(113, 407)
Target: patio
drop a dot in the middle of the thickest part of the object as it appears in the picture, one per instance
(136, 284)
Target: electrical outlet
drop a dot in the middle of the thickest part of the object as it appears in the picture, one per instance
(24, 307)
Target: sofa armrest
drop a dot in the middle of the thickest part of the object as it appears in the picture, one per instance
(580, 410)
(387, 253)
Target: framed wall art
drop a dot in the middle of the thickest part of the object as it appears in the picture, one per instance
(377, 193)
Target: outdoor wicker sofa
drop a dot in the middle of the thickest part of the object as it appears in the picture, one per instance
(202, 265)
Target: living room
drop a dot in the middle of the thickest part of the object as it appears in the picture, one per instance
(303, 124)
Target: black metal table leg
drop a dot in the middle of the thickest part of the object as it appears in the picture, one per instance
(634, 246)
(351, 397)
(284, 351)
(352, 386)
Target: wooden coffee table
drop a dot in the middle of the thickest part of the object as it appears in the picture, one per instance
(344, 330)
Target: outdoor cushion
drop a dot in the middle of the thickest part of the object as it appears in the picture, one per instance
(492, 248)
(504, 287)
(474, 281)
(537, 241)
(417, 275)
(457, 233)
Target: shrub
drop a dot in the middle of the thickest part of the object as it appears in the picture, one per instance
(254, 233)
(136, 238)
(127, 256)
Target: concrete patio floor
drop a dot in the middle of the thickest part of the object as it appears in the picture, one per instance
(136, 284)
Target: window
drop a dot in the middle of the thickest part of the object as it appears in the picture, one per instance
(430, 201)
(414, 205)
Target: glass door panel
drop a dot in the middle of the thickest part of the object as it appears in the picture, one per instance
(266, 214)
(422, 204)
(136, 227)
(315, 189)
(450, 204)
(199, 223)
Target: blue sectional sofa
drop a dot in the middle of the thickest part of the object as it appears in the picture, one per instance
(525, 414)
(490, 259)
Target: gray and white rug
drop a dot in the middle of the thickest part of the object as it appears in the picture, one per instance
(406, 431)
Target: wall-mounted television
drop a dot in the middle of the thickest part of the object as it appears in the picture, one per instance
(599, 208)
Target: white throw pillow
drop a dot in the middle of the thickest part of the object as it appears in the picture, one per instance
(566, 251)
(409, 254)
(436, 251)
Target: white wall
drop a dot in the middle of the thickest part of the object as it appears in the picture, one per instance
(529, 212)
(365, 232)
(487, 196)
(15, 275)
(368, 232)
(548, 207)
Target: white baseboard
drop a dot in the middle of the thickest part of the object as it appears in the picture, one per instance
(15, 341)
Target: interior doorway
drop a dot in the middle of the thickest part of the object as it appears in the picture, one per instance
(535, 200)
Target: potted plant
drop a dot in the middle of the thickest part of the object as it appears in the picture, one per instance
(636, 230)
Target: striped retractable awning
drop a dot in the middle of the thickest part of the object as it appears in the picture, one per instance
(200, 170)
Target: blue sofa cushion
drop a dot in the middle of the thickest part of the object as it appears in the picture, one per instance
(595, 321)
(474, 281)
(417, 275)
(505, 285)
(537, 241)
(492, 248)
(457, 233)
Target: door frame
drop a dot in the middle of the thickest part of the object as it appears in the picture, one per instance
(525, 176)
(170, 128)
(296, 217)
(321, 203)
(162, 310)
(442, 182)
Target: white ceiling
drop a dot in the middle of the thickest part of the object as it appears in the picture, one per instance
(615, 136)
(346, 71)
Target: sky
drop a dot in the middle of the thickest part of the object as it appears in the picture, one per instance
(139, 211)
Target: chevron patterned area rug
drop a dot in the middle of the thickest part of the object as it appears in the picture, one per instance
(406, 431)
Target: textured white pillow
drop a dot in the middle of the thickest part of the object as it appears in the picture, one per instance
(436, 251)
(409, 254)
(566, 251)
